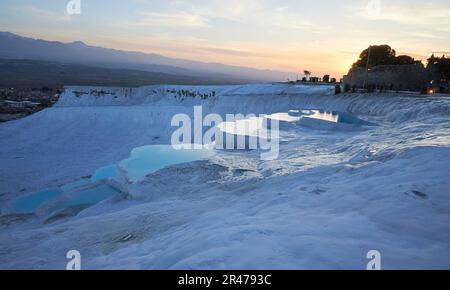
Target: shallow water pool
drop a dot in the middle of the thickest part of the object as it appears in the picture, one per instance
(147, 159)
(284, 117)
(104, 173)
(89, 196)
(89, 191)
(30, 203)
(334, 117)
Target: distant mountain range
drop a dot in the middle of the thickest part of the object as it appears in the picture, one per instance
(36, 74)
(13, 46)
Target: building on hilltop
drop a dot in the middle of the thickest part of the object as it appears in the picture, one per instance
(408, 77)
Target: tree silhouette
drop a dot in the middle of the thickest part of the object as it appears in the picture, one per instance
(382, 55)
(432, 61)
(307, 73)
(443, 67)
(405, 59)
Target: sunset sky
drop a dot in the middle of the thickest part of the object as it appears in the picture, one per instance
(288, 35)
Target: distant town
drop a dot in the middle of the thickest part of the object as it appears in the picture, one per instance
(17, 103)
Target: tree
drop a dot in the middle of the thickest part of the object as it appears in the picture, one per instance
(405, 59)
(443, 67)
(326, 78)
(379, 55)
(382, 55)
(307, 73)
(432, 61)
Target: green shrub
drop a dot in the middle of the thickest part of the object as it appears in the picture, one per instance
(346, 88)
(337, 89)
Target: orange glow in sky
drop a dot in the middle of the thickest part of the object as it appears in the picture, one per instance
(288, 35)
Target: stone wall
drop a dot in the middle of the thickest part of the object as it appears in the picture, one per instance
(395, 77)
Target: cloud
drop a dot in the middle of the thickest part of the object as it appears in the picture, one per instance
(41, 14)
(256, 14)
(252, 13)
(231, 10)
(425, 35)
(172, 19)
(234, 52)
(411, 14)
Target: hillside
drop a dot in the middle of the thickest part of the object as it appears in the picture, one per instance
(37, 74)
(332, 195)
(16, 47)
